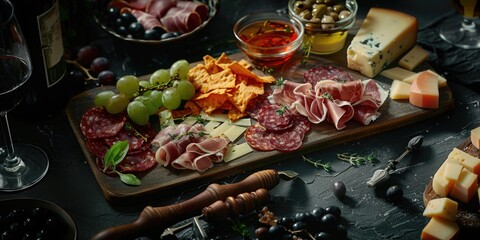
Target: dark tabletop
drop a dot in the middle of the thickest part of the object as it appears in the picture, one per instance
(367, 214)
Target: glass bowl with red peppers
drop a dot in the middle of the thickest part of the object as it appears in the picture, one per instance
(269, 39)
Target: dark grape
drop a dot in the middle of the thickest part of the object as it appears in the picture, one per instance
(318, 213)
(323, 236)
(127, 18)
(335, 210)
(262, 233)
(153, 34)
(339, 189)
(112, 14)
(304, 216)
(99, 64)
(86, 54)
(329, 221)
(286, 221)
(297, 226)
(136, 30)
(122, 30)
(394, 193)
(168, 35)
(276, 231)
(119, 22)
(107, 77)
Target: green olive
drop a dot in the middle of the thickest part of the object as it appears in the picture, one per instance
(334, 15)
(319, 1)
(328, 2)
(344, 14)
(327, 22)
(299, 6)
(309, 3)
(338, 8)
(319, 10)
(305, 14)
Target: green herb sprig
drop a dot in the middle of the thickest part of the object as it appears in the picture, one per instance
(357, 159)
(240, 228)
(307, 48)
(115, 154)
(318, 164)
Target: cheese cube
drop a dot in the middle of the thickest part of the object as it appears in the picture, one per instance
(440, 184)
(452, 171)
(439, 229)
(424, 92)
(384, 35)
(442, 82)
(399, 90)
(475, 137)
(413, 58)
(397, 73)
(444, 207)
(465, 187)
(468, 161)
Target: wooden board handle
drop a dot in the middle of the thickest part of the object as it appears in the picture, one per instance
(153, 220)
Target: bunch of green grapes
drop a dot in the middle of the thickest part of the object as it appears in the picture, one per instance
(141, 99)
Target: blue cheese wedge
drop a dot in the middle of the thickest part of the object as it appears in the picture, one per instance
(384, 35)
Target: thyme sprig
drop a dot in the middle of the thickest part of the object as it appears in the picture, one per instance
(307, 48)
(357, 159)
(136, 133)
(240, 228)
(318, 164)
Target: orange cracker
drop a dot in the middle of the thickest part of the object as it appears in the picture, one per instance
(219, 91)
(245, 63)
(193, 107)
(212, 102)
(210, 64)
(223, 59)
(223, 79)
(198, 76)
(241, 96)
(234, 114)
(241, 70)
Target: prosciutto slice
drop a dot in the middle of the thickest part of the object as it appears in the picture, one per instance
(159, 8)
(202, 155)
(147, 20)
(193, 6)
(131, 4)
(180, 20)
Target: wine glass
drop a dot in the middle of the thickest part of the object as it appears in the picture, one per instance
(463, 31)
(21, 165)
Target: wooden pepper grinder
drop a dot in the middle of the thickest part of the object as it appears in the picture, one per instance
(153, 220)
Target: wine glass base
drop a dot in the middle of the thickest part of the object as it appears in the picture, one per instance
(453, 31)
(33, 168)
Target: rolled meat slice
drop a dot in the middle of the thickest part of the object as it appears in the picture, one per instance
(180, 20)
(194, 6)
(159, 8)
(148, 21)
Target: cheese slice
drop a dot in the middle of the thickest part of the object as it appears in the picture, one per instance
(384, 35)
(439, 229)
(475, 137)
(444, 207)
(424, 92)
(220, 129)
(210, 126)
(413, 58)
(399, 90)
(234, 132)
(397, 73)
(442, 82)
(235, 151)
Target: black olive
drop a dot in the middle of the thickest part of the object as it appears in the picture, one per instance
(136, 30)
(154, 34)
(394, 193)
(339, 189)
(128, 18)
(170, 35)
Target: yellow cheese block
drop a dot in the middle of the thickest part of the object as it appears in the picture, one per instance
(399, 90)
(424, 92)
(468, 161)
(439, 229)
(413, 58)
(440, 184)
(384, 35)
(465, 187)
(452, 171)
(444, 207)
(397, 73)
(475, 137)
(442, 82)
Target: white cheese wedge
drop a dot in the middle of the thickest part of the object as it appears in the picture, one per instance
(234, 132)
(384, 35)
(439, 229)
(413, 58)
(475, 137)
(189, 120)
(444, 207)
(442, 82)
(166, 118)
(397, 73)
(399, 90)
(219, 117)
(235, 151)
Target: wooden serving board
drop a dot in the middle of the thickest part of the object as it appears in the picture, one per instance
(160, 181)
(468, 215)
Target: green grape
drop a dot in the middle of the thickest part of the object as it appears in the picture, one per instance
(180, 67)
(145, 84)
(148, 102)
(185, 89)
(160, 76)
(156, 96)
(101, 98)
(171, 98)
(117, 103)
(138, 113)
(128, 85)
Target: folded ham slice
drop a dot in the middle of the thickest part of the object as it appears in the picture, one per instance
(147, 20)
(159, 8)
(181, 20)
(201, 156)
(131, 4)
(194, 6)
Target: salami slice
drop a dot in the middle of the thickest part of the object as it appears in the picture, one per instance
(301, 124)
(98, 123)
(258, 138)
(329, 72)
(134, 142)
(139, 162)
(97, 147)
(254, 106)
(286, 141)
(274, 118)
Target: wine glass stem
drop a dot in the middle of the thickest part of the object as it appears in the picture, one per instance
(11, 162)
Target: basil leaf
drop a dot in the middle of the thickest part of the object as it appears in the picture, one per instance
(115, 154)
(129, 179)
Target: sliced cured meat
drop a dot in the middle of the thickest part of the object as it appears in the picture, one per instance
(159, 8)
(180, 20)
(148, 21)
(194, 6)
(287, 141)
(327, 72)
(201, 156)
(351, 91)
(164, 136)
(134, 4)
(134, 142)
(258, 103)
(258, 138)
(139, 162)
(98, 123)
(340, 112)
(97, 147)
(301, 124)
(274, 117)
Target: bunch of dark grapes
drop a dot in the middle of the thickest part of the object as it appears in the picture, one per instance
(318, 224)
(126, 25)
(90, 69)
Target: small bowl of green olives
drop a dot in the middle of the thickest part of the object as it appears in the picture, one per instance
(326, 23)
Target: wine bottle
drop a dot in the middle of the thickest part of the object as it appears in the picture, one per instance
(49, 91)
